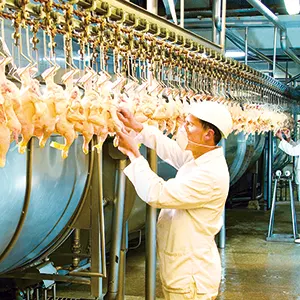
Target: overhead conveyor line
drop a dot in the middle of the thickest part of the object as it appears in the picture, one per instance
(135, 12)
(146, 27)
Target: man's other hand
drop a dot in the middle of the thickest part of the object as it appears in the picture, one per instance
(127, 118)
(128, 146)
(279, 134)
(287, 133)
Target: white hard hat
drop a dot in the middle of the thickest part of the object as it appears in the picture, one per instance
(213, 113)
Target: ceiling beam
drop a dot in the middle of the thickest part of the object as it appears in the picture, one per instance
(231, 11)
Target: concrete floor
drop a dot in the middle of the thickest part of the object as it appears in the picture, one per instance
(252, 268)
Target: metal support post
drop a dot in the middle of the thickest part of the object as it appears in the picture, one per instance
(98, 262)
(182, 13)
(271, 222)
(28, 294)
(117, 228)
(122, 271)
(283, 237)
(76, 247)
(274, 49)
(254, 181)
(223, 32)
(269, 171)
(152, 6)
(54, 291)
(265, 171)
(151, 238)
(222, 233)
(293, 211)
(96, 194)
(246, 45)
(216, 21)
(151, 213)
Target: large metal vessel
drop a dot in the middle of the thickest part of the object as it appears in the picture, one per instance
(58, 187)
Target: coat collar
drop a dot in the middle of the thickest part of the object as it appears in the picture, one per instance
(218, 152)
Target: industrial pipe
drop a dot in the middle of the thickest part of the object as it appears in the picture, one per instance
(216, 18)
(275, 48)
(182, 13)
(294, 78)
(246, 45)
(241, 44)
(152, 6)
(117, 228)
(23, 215)
(285, 44)
(205, 13)
(223, 31)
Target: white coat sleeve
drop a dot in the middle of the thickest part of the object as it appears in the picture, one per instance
(167, 149)
(184, 193)
(289, 149)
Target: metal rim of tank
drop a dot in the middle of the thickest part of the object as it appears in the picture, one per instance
(65, 231)
(252, 153)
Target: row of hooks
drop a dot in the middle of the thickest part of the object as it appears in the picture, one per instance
(134, 44)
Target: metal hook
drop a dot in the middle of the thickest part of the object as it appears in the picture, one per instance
(52, 70)
(21, 71)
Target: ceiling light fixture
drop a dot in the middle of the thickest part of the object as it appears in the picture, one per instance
(292, 6)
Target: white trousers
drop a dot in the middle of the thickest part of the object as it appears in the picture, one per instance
(192, 295)
(174, 296)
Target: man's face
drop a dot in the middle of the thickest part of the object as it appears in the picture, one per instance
(195, 132)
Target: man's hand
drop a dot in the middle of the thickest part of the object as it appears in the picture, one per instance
(279, 134)
(127, 118)
(287, 133)
(128, 146)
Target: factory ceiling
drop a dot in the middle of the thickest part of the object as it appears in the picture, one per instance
(241, 16)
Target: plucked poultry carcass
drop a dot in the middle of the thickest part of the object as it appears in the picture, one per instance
(110, 108)
(32, 109)
(4, 137)
(86, 127)
(65, 119)
(10, 101)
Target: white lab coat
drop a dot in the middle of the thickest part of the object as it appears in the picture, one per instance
(192, 204)
(293, 149)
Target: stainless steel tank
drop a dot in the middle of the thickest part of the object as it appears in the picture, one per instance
(57, 191)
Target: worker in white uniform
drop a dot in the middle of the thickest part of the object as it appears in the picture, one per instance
(292, 148)
(191, 203)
